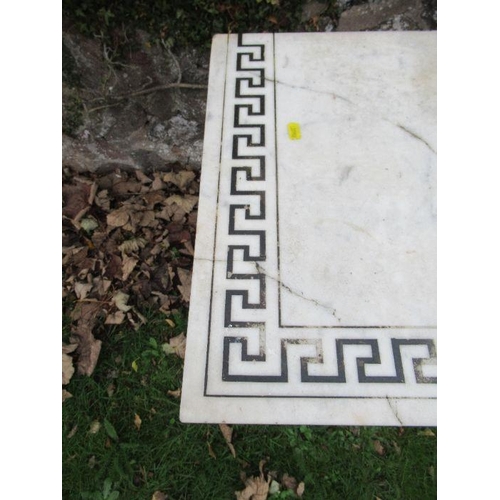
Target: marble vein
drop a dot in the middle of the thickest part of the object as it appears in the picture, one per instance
(298, 294)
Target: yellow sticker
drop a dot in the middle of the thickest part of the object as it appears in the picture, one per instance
(294, 131)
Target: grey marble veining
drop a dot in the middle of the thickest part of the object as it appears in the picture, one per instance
(314, 286)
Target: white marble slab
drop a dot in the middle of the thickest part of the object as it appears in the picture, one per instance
(314, 286)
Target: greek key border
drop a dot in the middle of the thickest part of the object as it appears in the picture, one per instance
(258, 108)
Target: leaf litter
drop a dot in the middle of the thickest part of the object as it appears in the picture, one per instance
(127, 247)
(259, 487)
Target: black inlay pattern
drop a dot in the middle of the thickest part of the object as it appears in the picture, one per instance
(340, 377)
(247, 61)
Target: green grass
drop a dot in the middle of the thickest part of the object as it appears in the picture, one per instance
(166, 455)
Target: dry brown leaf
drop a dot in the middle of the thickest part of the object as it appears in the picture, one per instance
(289, 482)
(158, 495)
(427, 432)
(176, 345)
(102, 200)
(132, 245)
(186, 202)
(128, 265)
(118, 218)
(67, 363)
(157, 183)
(82, 290)
(75, 198)
(189, 248)
(72, 432)
(148, 218)
(154, 197)
(175, 394)
(300, 489)
(88, 346)
(137, 422)
(181, 179)
(211, 451)
(101, 286)
(257, 488)
(227, 432)
(69, 348)
(95, 426)
(185, 286)
(142, 177)
(377, 446)
(116, 318)
(66, 395)
(120, 299)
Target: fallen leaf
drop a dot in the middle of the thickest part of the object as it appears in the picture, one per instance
(157, 183)
(300, 489)
(175, 394)
(72, 432)
(128, 265)
(137, 422)
(274, 487)
(185, 286)
(377, 446)
(158, 495)
(95, 427)
(88, 346)
(118, 218)
(135, 367)
(186, 202)
(66, 395)
(67, 363)
(427, 432)
(227, 432)
(142, 177)
(289, 482)
(116, 318)
(180, 179)
(170, 323)
(110, 390)
(148, 219)
(120, 299)
(176, 345)
(257, 488)
(132, 245)
(396, 447)
(189, 248)
(101, 286)
(431, 471)
(82, 290)
(211, 451)
(75, 198)
(88, 224)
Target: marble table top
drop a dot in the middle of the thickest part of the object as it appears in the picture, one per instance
(314, 285)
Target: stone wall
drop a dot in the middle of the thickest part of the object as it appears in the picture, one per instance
(133, 114)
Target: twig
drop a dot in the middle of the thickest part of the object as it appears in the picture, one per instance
(176, 62)
(168, 86)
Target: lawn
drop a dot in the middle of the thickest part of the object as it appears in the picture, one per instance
(121, 433)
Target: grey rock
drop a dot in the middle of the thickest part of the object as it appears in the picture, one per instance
(150, 130)
(311, 9)
(388, 15)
